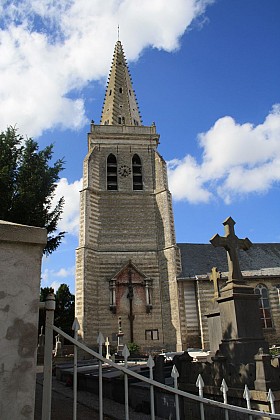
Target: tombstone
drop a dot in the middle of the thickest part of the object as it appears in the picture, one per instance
(242, 357)
(242, 336)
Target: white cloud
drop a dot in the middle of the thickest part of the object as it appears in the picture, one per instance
(65, 272)
(50, 277)
(49, 51)
(236, 160)
(70, 217)
(186, 182)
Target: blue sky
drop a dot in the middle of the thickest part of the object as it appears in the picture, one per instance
(207, 73)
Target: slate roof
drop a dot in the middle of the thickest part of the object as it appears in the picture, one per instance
(198, 259)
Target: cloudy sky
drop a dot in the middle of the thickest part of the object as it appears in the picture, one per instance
(206, 71)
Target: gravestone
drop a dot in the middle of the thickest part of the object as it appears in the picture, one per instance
(242, 356)
(242, 334)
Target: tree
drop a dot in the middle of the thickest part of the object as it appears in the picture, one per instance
(27, 185)
(64, 307)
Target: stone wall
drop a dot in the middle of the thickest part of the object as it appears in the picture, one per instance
(20, 268)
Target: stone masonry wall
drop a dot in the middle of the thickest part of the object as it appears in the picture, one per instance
(123, 225)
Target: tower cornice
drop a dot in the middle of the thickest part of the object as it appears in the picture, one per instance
(123, 135)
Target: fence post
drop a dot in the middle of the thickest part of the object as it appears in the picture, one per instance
(126, 354)
(47, 383)
(271, 399)
(200, 384)
(75, 328)
(246, 396)
(100, 342)
(150, 365)
(175, 376)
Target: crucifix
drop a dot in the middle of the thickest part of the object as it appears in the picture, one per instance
(215, 276)
(130, 295)
(232, 244)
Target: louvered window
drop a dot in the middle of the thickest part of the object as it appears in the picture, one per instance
(112, 178)
(137, 173)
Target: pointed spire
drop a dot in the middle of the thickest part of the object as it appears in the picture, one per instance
(120, 105)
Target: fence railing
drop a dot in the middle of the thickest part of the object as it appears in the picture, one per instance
(203, 402)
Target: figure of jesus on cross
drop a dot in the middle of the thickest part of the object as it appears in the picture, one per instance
(232, 244)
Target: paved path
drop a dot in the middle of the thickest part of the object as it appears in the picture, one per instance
(87, 408)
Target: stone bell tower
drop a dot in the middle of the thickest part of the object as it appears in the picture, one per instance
(127, 259)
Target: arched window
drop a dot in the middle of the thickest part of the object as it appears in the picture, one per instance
(137, 173)
(265, 313)
(112, 179)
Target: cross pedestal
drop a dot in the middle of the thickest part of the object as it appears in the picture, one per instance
(241, 328)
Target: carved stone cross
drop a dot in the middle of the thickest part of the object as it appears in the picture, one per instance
(231, 243)
(215, 276)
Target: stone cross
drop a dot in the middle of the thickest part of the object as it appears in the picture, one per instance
(231, 243)
(107, 345)
(215, 276)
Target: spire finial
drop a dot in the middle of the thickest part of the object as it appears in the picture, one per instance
(118, 32)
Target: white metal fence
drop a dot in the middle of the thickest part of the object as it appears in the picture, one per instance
(203, 402)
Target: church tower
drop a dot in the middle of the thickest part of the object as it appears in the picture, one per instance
(127, 259)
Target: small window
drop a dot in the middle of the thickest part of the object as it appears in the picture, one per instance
(151, 335)
(137, 173)
(112, 178)
(264, 305)
(119, 120)
(110, 92)
(123, 120)
(120, 90)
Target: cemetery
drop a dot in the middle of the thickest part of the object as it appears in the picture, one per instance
(241, 361)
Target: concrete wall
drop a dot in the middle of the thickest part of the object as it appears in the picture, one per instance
(20, 268)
